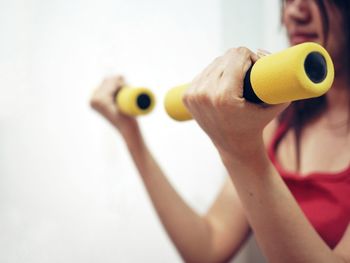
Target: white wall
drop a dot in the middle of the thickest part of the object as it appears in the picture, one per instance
(68, 190)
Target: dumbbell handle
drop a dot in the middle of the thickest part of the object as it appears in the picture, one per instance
(299, 72)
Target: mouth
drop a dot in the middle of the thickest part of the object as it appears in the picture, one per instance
(298, 38)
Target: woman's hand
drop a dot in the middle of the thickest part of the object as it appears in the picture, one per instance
(215, 100)
(103, 101)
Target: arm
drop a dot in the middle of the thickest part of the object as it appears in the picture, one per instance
(213, 237)
(235, 127)
(281, 228)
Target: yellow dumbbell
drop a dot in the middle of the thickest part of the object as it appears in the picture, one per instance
(134, 101)
(299, 72)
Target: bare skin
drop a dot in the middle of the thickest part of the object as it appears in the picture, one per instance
(198, 238)
(215, 101)
(253, 188)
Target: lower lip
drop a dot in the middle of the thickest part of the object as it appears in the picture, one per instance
(301, 39)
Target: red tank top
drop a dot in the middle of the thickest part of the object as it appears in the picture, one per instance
(323, 197)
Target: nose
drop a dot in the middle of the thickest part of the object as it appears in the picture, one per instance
(298, 11)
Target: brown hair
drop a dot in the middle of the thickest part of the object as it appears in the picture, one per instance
(300, 112)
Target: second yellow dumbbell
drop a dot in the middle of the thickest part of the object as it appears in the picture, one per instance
(134, 101)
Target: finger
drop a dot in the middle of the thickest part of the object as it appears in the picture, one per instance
(239, 62)
(213, 65)
(111, 86)
(217, 72)
(112, 81)
(200, 82)
(261, 53)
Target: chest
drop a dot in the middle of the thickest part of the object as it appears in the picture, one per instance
(326, 205)
(321, 150)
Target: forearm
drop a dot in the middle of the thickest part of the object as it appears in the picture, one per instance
(282, 230)
(189, 231)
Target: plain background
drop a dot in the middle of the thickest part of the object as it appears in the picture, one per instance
(68, 189)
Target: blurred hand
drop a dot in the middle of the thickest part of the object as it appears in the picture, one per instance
(103, 101)
(215, 100)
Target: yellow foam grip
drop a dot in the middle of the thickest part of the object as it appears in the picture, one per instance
(281, 77)
(276, 78)
(134, 101)
(174, 106)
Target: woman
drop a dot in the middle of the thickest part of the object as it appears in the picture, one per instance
(289, 174)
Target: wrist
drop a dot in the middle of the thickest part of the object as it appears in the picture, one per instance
(132, 137)
(250, 160)
(128, 130)
(250, 156)
(243, 149)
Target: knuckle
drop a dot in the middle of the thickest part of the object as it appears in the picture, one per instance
(190, 96)
(238, 51)
(119, 80)
(119, 77)
(187, 97)
(106, 80)
(114, 80)
(217, 59)
(202, 97)
(95, 103)
(217, 102)
(244, 51)
(195, 97)
(220, 101)
(231, 51)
